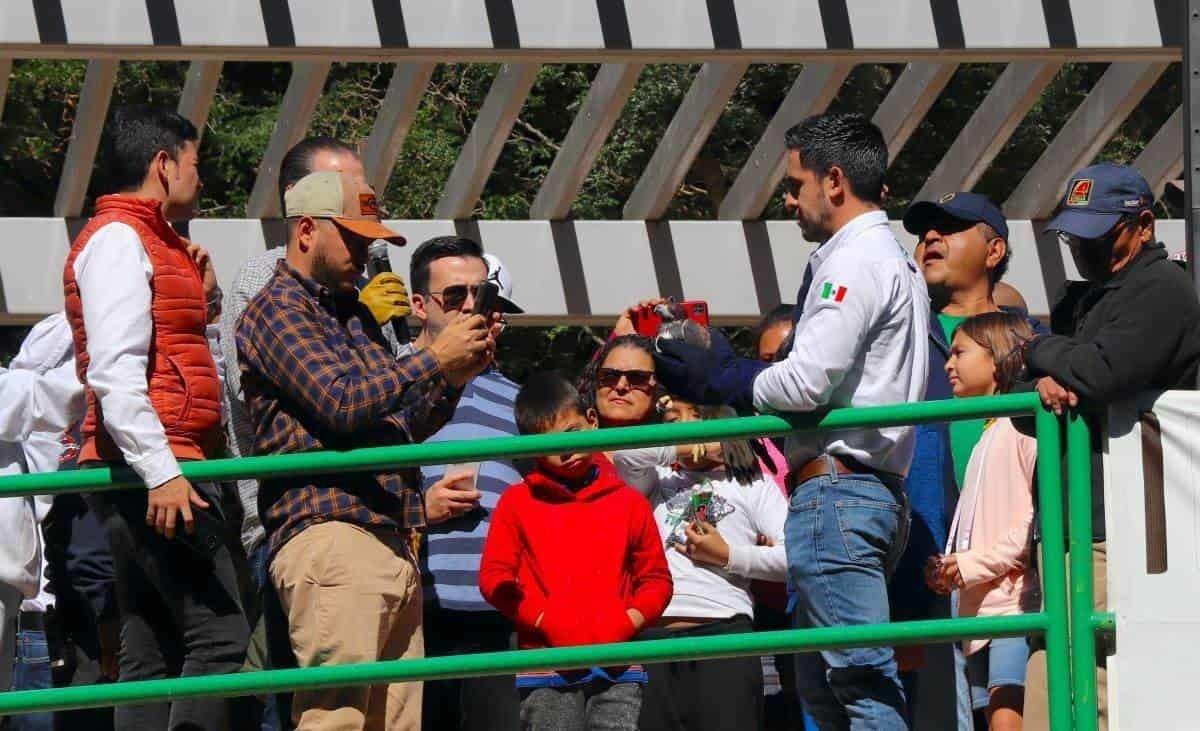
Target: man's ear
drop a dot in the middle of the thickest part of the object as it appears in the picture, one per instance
(1146, 227)
(593, 419)
(835, 184)
(159, 168)
(997, 248)
(306, 233)
(418, 305)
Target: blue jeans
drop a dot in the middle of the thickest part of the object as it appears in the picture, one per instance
(844, 536)
(31, 672)
(258, 574)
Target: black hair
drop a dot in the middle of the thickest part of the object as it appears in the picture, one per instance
(542, 399)
(297, 163)
(847, 141)
(134, 135)
(779, 315)
(588, 381)
(439, 247)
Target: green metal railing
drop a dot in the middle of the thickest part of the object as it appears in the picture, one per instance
(1070, 665)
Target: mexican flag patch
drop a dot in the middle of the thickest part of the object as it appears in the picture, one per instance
(833, 292)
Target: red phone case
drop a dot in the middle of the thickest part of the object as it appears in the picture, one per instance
(646, 321)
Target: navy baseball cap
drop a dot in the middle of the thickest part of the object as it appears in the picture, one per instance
(1097, 197)
(969, 207)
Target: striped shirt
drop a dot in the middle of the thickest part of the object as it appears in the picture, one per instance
(450, 566)
(317, 375)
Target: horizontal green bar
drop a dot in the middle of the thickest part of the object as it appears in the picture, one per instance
(505, 663)
(374, 459)
(1104, 622)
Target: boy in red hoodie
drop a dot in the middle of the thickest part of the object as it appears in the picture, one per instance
(573, 557)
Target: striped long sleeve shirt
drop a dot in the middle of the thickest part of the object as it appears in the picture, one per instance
(450, 566)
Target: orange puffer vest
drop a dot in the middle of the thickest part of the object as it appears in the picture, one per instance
(182, 377)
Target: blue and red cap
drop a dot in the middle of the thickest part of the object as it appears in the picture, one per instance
(1097, 197)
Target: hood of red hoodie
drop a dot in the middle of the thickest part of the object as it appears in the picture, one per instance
(547, 487)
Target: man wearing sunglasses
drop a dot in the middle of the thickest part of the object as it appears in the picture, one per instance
(444, 272)
(1133, 325)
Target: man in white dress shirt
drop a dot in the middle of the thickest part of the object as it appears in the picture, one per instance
(139, 299)
(862, 318)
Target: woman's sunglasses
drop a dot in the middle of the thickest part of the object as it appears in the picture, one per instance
(610, 377)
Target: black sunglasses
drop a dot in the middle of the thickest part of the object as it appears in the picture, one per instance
(453, 297)
(637, 379)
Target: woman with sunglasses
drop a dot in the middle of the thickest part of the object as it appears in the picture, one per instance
(620, 384)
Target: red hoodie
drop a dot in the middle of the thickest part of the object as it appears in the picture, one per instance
(582, 558)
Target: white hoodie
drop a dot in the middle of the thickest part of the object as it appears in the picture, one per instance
(40, 398)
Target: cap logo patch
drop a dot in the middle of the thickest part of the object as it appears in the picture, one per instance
(1081, 192)
(367, 205)
(947, 198)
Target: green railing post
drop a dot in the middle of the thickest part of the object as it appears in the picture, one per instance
(1054, 579)
(1083, 633)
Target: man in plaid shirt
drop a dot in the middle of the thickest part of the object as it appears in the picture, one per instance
(317, 374)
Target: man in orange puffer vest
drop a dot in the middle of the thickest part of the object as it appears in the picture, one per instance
(140, 299)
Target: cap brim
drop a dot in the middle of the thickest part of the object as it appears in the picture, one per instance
(509, 307)
(371, 229)
(921, 216)
(1084, 224)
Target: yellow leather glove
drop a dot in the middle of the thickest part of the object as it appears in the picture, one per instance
(386, 297)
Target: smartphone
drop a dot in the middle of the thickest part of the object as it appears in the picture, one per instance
(487, 297)
(647, 322)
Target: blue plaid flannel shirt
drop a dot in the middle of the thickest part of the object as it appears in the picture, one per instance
(317, 374)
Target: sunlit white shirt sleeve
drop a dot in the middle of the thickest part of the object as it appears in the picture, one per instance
(113, 273)
(32, 401)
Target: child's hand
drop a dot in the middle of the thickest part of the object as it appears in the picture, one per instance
(636, 617)
(950, 575)
(933, 574)
(704, 545)
(764, 541)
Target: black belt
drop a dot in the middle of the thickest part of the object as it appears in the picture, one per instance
(32, 621)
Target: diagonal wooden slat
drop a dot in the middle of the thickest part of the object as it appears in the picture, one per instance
(295, 113)
(492, 127)
(1161, 159)
(685, 135)
(400, 104)
(1079, 141)
(198, 91)
(811, 93)
(909, 100)
(991, 125)
(610, 90)
(85, 136)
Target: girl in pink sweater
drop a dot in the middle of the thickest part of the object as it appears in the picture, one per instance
(987, 557)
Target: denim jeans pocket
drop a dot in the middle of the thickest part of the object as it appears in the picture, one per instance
(868, 529)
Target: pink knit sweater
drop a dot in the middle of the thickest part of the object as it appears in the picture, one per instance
(991, 529)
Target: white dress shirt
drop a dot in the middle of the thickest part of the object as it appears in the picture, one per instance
(114, 272)
(866, 347)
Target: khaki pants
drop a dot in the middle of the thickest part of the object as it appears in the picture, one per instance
(1037, 711)
(351, 596)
